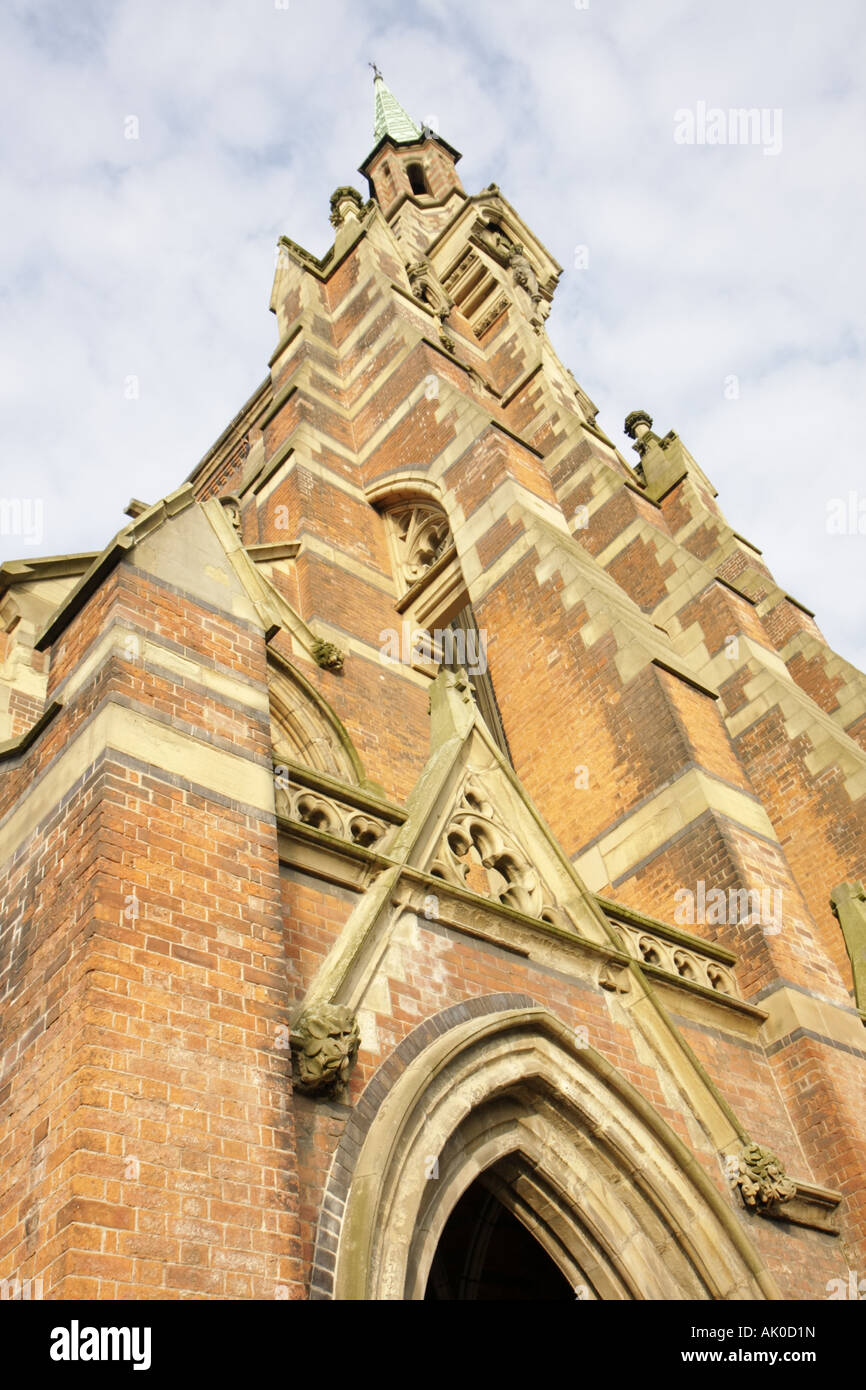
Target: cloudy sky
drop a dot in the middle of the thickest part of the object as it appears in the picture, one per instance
(721, 286)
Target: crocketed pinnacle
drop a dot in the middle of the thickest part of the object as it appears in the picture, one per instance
(390, 118)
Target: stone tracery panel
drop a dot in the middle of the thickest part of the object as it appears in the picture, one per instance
(421, 535)
(328, 814)
(478, 851)
(689, 963)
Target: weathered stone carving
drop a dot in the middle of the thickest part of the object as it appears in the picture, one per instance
(719, 979)
(495, 240)
(422, 534)
(685, 965)
(589, 408)
(614, 978)
(523, 272)
(491, 316)
(634, 420)
(446, 339)
(325, 1042)
(761, 1179)
(426, 287)
(232, 506)
(478, 381)
(650, 952)
(848, 902)
(467, 262)
(326, 655)
(654, 949)
(327, 814)
(478, 852)
(345, 202)
(638, 426)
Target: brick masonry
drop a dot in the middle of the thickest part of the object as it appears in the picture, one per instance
(674, 716)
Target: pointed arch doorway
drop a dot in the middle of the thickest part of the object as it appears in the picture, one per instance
(573, 1153)
(486, 1254)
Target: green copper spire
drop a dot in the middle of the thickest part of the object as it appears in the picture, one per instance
(391, 119)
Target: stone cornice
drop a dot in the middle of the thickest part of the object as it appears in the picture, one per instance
(289, 336)
(685, 677)
(358, 796)
(323, 267)
(246, 417)
(12, 748)
(423, 139)
(737, 537)
(115, 551)
(619, 911)
(270, 551)
(422, 202)
(44, 567)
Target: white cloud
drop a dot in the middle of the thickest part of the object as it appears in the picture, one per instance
(153, 257)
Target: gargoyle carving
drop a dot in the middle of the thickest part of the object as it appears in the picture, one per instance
(326, 655)
(761, 1179)
(325, 1042)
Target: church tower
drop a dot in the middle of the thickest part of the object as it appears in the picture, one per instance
(432, 842)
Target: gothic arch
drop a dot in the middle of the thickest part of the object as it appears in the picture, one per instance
(401, 485)
(305, 729)
(506, 1094)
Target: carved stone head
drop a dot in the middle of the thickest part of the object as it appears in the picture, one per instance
(325, 1042)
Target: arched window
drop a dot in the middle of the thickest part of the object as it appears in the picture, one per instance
(434, 596)
(417, 178)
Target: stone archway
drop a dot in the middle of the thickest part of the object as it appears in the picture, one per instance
(487, 1254)
(615, 1199)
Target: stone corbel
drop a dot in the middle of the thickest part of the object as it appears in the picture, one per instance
(761, 1179)
(766, 1190)
(325, 1041)
(327, 655)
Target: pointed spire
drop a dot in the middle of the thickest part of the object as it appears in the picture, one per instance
(390, 118)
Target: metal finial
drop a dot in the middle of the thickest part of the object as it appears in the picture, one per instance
(376, 72)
